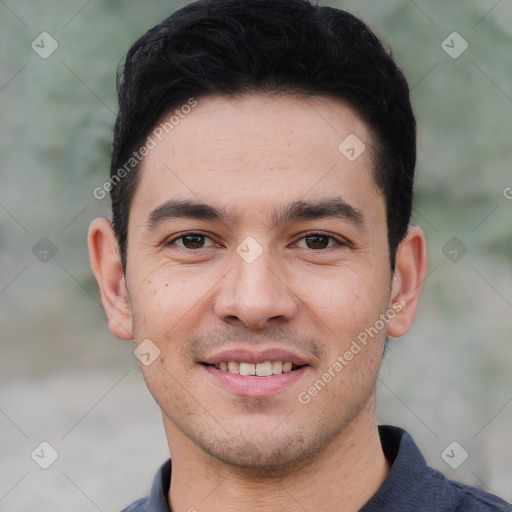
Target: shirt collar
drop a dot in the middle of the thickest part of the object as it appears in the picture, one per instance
(408, 470)
(157, 501)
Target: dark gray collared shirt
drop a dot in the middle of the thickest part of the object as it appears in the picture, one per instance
(411, 485)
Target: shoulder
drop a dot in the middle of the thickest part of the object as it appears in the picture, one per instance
(413, 486)
(451, 496)
(137, 506)
(477, 500)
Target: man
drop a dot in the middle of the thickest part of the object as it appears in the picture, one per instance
(260, 254)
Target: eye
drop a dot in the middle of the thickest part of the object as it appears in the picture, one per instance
(191, 240)
(318, 241)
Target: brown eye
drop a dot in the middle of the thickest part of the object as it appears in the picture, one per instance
(317, 241)
(191, 241)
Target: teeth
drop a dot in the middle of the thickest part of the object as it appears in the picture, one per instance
(287, 367)
(233, 367)
(264, 369)
(247, 369)
(277, 367)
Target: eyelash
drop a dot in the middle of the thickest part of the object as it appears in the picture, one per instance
(305, 235)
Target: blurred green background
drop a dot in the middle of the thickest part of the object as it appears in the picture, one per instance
(64, 379)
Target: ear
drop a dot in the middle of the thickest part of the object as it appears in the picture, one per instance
(410, 268)
(106, 265)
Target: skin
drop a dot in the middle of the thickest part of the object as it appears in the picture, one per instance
(251, 155)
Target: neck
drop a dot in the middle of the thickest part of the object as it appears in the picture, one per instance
(344, 476)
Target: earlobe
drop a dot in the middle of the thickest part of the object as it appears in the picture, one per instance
(410, 268)
(106, 266)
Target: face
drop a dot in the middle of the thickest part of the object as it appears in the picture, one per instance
(258, 269)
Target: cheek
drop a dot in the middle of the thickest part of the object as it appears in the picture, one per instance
(167, 306)
(166, 310)
(346, 301)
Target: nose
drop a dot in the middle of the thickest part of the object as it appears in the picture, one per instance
(254, 294)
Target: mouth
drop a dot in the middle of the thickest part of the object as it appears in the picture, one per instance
(262, 369)
(256, 373)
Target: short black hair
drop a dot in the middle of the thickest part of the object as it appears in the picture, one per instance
(233, 47)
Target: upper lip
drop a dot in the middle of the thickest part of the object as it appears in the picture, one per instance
(246, 355)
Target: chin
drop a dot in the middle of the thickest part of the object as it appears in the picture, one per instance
(264, 455)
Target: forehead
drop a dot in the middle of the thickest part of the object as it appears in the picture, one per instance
(250, 151)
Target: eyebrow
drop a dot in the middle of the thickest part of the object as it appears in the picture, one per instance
(294, 211)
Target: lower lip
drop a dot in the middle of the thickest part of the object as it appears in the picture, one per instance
(251, 385)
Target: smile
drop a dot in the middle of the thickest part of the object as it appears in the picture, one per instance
(264, 369)
(255, 379)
